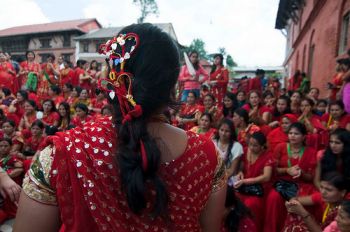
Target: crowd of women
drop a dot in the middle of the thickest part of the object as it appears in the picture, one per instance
(285, 153)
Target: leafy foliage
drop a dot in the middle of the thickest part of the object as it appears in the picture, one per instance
(147, 7)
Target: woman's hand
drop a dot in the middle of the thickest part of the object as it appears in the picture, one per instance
(8, 188)
(294, 171)
(239, 183)
(295, 207)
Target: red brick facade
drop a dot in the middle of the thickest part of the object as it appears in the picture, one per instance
(316, 39)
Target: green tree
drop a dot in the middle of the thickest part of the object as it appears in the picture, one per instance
(230, 62)
(199, 46)
(147, 7)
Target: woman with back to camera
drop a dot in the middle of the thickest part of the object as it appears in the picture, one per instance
(141, 181)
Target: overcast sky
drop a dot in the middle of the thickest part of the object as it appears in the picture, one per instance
(244, 27)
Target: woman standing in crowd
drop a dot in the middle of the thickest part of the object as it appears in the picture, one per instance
(49, 76)
(154, 173)
(7, 74)
(66, 74)
(205, 126)
(192, 82)
(229, 149)
(28, 67)
(94, 73)
(256, 171)
(189, 112)
(295, 163)
(218, 78)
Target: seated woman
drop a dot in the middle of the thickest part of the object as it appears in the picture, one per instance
(81, 115)
(6, 97)
(64, 113)
(258, 113)
(295, 163)
(98, 102)
(256, 170)
(50, 117)
(241, 98)
(210, 106)
(29, 116)
(14, 168)
(205, 126)
(337, 117)
(295, 100)
(229, 149)
(243, 128)
(55, 95)
(316, 131)
(16, 108)
(333, 189)
(342, 221)
(335, 157)
(282, 108)
(238, 217)
(280, 134)
(131, 172)
(31, 145)
(230, 105)
(189, 112)
(9, 130)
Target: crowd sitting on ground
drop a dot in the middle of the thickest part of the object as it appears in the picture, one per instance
(285, 150)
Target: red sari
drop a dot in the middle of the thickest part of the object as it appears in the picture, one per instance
(7, 79)
(318, 138)
(188, 111)
(78, 122)
(96, 104)
(51, 119)
(29, 67)
(86, 183)
(66, 76)
(45, 82)
(337, 81)
(208, 134)
(276, 212)
(219, 89)
(254, 203)
(275, 137)
(342, 122)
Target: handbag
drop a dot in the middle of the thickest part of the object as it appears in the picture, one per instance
(287, 189)
(251, 190)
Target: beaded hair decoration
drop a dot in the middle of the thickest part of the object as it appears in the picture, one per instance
(119, 82)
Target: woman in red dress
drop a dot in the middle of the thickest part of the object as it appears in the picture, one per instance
(65, 120)
(98, 102)
(211, 108)
(243, 127)
(333, 190)
(7, 74)
(205, 126)
(27, 67)
(257, 166)
(66, 74)
(258, 113)
(81, 115)
(28, 117)
(94, 73)
(54, 93)
(337, 117)
(144, 176)
(189, 112)
(295, 99)
(282, 108)
(316, 131)
(9, 130)
(49, 76)
(50, 117)
(295, 163)
(218, 79)
(230, 105)
(16, 108)
(85, 80)
(280, 134)
(67, 91)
